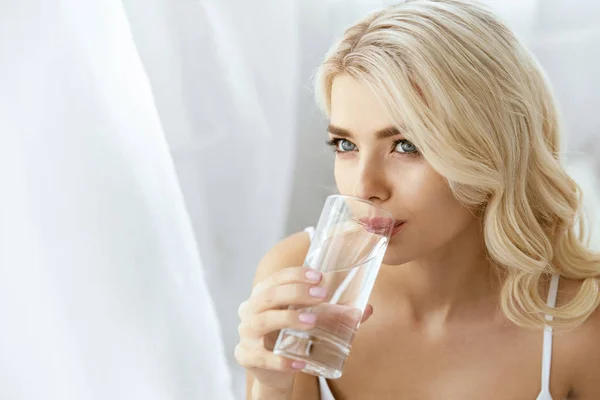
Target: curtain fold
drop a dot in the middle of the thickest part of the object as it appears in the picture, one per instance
(102, 292)
(225, 79)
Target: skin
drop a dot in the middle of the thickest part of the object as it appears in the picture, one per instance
(436, 331)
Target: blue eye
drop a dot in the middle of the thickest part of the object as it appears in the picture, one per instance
(404, 146)
(346, 145)
(342, 145)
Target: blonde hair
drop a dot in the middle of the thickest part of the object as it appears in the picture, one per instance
(478, 106)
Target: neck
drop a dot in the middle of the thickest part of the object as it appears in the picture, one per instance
(450, 283)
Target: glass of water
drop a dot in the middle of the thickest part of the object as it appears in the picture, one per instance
(347, 248)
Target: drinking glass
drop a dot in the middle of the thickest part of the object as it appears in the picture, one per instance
(347, 248)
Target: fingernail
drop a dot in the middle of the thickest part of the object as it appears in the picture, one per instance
(307, 318)
(318, 291)
(313, 275)
(298, 364)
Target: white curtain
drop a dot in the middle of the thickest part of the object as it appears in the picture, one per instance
(225, 79)
(102, 294)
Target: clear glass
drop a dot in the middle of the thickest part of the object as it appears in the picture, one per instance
(348, 247)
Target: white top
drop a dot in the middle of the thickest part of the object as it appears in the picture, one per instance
(546, 352)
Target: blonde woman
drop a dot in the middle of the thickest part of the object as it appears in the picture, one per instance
(441, 116)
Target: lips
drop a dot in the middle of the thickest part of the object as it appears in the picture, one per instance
(381, 225)
(397, 227)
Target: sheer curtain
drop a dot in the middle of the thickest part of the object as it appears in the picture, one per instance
(225, 79)
(102, 294)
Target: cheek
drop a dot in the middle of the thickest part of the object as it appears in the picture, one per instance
(343, 176)
(424, 191)
(432, 209)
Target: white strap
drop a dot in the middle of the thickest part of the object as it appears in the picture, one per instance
(325, 390)
(552, 293)
(547, 346)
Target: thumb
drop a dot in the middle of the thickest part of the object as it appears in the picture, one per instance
(367, 313)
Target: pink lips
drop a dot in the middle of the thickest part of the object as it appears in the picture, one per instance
(381, 225)
(397, 227)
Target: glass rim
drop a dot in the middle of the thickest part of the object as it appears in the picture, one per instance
(368, 202)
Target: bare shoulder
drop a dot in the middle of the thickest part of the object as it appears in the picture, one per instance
(583, 346)
(290, 252)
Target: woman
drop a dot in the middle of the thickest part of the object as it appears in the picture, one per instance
(439, 115)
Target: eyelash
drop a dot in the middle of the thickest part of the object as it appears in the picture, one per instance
(333, 143)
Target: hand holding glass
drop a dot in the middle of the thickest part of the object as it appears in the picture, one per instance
(347, 248)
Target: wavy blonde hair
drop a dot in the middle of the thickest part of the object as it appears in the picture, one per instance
(478, 106)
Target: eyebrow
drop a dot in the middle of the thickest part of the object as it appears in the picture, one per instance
(384, 133)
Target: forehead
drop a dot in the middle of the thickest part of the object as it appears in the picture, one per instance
(355, 107)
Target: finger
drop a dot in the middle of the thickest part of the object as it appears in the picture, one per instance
(274, 320)
(367, 313)
(340, 320)
(242, 307)
(259, 358)
(289, 275)
(296, 294)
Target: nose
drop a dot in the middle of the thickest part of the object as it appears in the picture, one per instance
(371, 183)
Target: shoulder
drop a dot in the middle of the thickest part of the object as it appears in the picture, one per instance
(585, 345)
(289, 252)
(582, 345)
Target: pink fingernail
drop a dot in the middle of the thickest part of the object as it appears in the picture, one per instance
(318, 291)
(307, 318)
(312, 275)
(298, 364)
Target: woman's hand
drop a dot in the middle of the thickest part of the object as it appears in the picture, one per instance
(266, 312)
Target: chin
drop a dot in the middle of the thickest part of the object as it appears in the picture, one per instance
(396, 256)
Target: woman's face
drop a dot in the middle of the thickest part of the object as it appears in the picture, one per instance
(375, 162)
